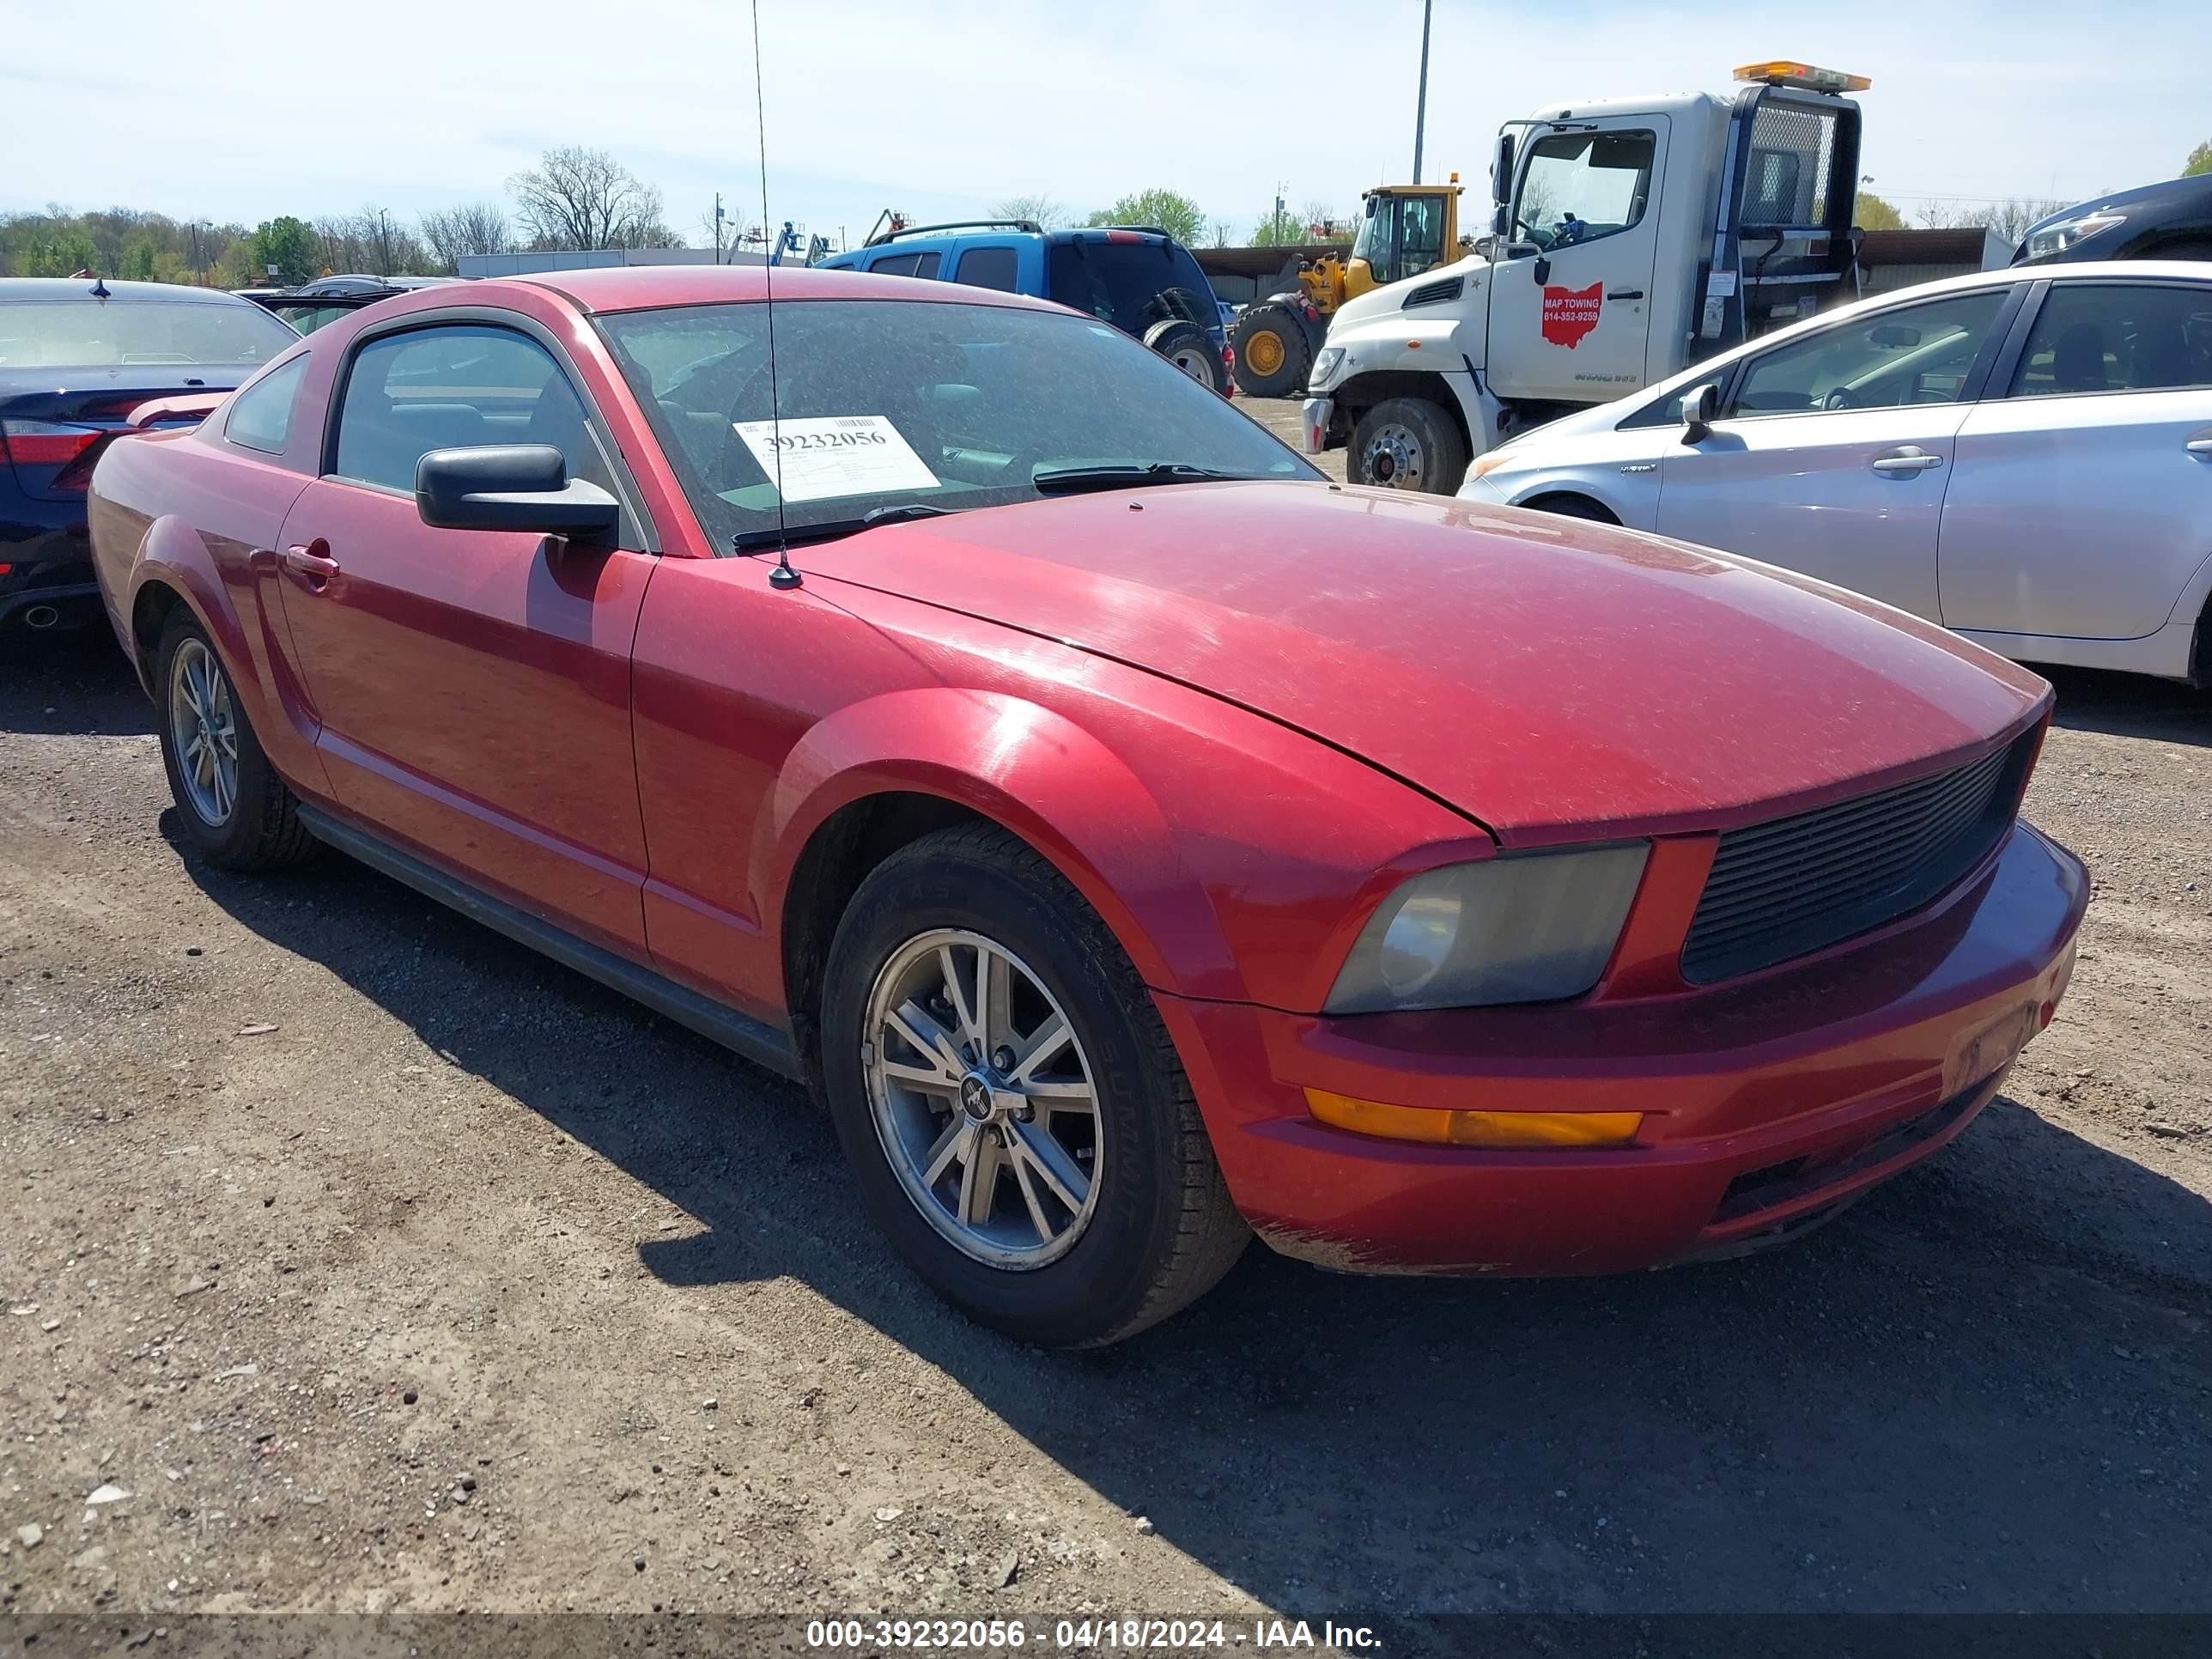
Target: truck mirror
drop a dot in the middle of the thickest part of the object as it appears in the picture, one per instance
(1501, 171)
(1698, 405)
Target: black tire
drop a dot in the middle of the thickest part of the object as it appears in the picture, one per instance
(1185, 342)
(263, 831)
(1442, 452)
(2189, 250)
(1573, 507)
(1289, 331)
(1165, 1230)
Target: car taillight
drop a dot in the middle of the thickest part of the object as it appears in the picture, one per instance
(45, 443)
(70, 450)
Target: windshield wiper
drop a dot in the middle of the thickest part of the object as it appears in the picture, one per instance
(751, 541)
(1069, 480)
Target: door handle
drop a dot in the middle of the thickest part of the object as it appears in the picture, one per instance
(314, 569)
(1906, 460)
(1624, 294)
(2200, 447)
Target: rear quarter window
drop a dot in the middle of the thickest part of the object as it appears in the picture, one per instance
(260, 416)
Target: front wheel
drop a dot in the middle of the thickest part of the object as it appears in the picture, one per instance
(1013, 1111)
(1273, 354)
(1407, 443)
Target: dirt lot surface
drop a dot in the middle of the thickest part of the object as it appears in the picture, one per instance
(378, 1264)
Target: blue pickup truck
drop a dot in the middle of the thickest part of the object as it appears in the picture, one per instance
(1140, 279)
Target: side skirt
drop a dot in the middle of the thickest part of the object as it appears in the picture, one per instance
(742, 1035)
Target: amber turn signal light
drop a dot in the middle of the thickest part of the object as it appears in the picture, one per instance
(1442, 1127)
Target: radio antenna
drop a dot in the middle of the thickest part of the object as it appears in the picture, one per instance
(783, 575)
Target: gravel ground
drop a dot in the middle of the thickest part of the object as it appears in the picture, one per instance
(356, 1259)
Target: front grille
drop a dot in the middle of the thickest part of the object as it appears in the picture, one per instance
(1798, 884)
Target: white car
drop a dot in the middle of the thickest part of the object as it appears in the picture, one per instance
(2024, 456)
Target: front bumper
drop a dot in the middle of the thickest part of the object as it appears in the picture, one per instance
(1768, 1103)
(1315, 417)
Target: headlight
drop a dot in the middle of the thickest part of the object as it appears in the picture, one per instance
(1523, 929)
(2056, 239)
(1325, 364)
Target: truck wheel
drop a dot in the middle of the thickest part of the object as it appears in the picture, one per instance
(1187, 347)
(1272, 352)
(1405, 443)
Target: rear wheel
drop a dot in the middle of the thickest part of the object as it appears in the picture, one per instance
(235, 808)
(1405, 443)
(1191, 349)
(1015, 1114)
(1272, 351)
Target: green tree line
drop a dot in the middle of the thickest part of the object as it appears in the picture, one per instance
(574, 198)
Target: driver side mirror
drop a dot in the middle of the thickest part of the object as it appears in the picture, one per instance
(1700, 405)
(520, 487)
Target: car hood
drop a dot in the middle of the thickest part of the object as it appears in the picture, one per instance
(1552, 679)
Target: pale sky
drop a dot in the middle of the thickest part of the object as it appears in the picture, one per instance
(244, 109)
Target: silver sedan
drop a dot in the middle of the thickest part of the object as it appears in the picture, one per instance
(2024, 456)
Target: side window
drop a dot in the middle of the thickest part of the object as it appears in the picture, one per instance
(986, 267)
(1920, 354)
(2095, 337)
(261, 416)
(906, 264)
(927, 267)
(1579, 186)
(451, 386)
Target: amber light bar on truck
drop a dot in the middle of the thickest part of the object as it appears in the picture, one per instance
(1784, 72)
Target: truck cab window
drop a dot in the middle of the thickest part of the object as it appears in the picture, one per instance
(1579, 186)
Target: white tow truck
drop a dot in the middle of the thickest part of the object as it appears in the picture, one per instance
(1632, 237)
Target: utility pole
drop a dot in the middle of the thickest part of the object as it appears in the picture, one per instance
(1421, 101)
(718, 227)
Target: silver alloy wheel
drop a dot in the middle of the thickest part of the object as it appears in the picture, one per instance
(1194, 362)
(983, 1099)
(1393, 458)
(203, 729)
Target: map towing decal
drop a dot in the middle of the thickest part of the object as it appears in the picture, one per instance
(1570, 314)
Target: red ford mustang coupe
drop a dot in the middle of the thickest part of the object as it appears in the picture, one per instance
(1138, 840)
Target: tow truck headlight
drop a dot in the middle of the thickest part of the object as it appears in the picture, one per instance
(1325, 364)
(1531, 927)
(2056, 239)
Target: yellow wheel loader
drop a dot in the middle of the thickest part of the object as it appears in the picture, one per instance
(1404, 230)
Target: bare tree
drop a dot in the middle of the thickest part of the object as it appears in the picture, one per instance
(472, 228)
(1040, 209)
(2009, 218)
(584, 198)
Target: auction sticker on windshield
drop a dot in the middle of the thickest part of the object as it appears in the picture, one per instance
(823, 457)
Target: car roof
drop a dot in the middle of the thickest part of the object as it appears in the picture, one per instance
(638, 288)
(80, 288)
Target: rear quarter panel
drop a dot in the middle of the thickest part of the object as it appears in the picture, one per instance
(185, 514)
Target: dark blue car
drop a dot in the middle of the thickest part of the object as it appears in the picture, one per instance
(77, 355)
(1140, 279)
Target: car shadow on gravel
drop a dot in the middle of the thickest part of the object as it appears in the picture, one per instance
(1984, 1388)
(2130, 705)
(70, 682)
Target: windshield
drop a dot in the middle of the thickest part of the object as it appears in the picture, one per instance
(893, 402)
(120, 333)
(1132, 284)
